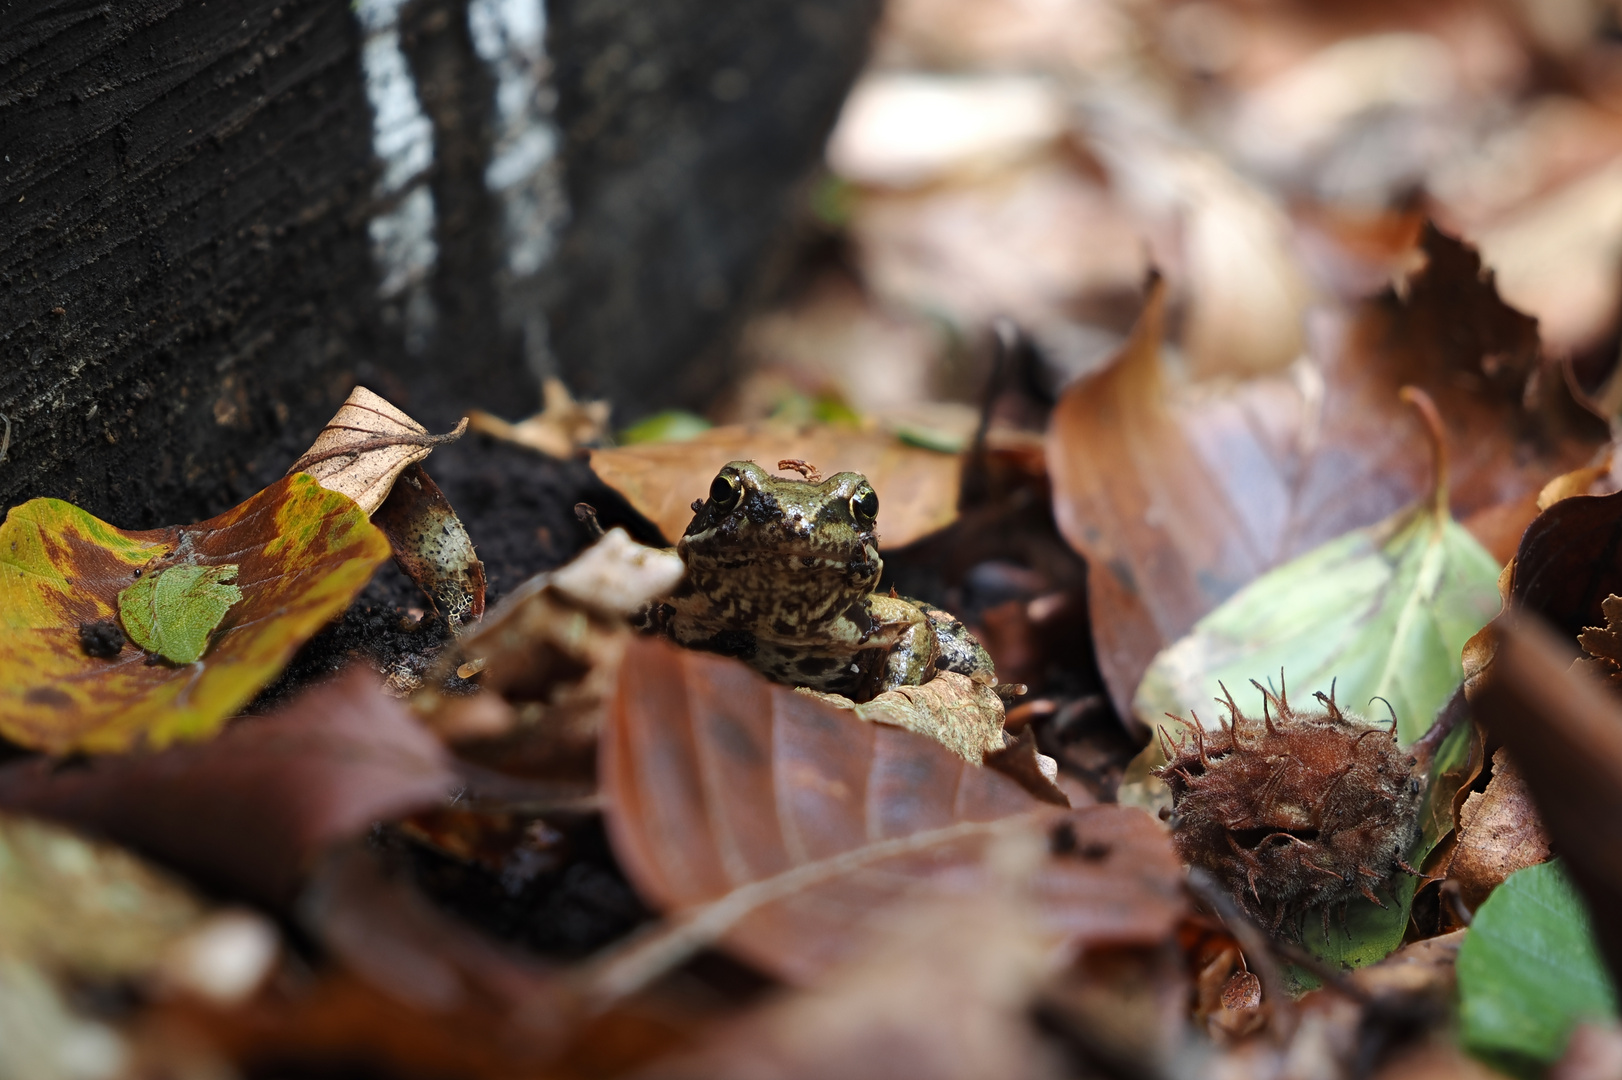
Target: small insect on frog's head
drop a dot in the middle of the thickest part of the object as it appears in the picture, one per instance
(809, 544)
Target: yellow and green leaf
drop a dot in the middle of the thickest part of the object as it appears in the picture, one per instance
(301, 554)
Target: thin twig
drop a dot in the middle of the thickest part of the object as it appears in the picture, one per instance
(5, 440)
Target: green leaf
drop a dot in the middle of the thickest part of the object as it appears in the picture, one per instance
(1530, 970)
(1383, 611)
(672, 425)
(173, 612)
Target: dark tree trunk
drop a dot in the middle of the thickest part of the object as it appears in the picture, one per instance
(190, 202)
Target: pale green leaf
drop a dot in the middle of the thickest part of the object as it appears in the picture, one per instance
(1530, 970)
(173, 612)
(1382, 611)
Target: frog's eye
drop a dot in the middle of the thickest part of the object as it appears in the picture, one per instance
(864, 506)
(724, 491)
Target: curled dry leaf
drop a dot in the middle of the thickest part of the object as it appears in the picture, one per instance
(1568, 564)
(1565, 732)
(917, 488)
(1499, 833)
(365, 446)
(432, 546)
(562, 426)
(67, 680)
(1602, 645)
(250, 809)
(1179, 494)
(770, 821)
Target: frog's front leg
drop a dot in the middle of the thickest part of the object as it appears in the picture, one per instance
(913, 651)
(960, 651)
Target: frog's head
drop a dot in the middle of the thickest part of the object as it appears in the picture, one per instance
(790, 552)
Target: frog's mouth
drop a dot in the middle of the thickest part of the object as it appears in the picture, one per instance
(798, 558)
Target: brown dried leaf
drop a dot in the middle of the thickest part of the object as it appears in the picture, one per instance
(365, 446)
(562, 426)
(1603, 645)
(248, 810)
(1499, 833)
(962, 715)
(917, 488)
(772, 821)
(941, 992)
(1178, 494)
(1568, 564)
(1565, 732)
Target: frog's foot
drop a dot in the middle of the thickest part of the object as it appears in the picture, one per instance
(959, 650)
(914, 653)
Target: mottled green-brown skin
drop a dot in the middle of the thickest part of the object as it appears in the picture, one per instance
(1294, 810)
(781, 574)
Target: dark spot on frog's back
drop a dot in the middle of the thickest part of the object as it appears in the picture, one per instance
(816, 665)
(735, 643)
(858, 614)
(761, 508)
(48, 695)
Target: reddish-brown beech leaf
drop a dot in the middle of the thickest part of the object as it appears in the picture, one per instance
(249, 809)
(1180, 493)
(917, 488)
(68, 678)
(775, 823)
(943, 991)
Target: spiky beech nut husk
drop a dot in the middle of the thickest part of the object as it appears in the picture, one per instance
(1295, 810)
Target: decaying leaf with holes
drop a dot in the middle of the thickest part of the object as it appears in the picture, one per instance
(295, 554)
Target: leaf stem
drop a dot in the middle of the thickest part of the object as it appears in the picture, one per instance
(402, 439)
(1436, 431)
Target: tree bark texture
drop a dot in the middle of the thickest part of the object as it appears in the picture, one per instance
(188, 285)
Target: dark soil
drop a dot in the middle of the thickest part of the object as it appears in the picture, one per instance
(518, 507)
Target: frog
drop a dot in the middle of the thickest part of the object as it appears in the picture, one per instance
(783, 572)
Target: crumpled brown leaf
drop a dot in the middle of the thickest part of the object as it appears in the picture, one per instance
(1499, 833)
(962, 715)
(1603, 645)
(547, 659)
(917, 488)
(1565, 731)
(432, 546)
